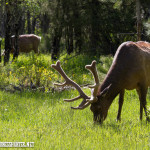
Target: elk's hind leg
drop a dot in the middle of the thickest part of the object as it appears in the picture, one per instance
(121, 99)
(141, 105)
(142, 92)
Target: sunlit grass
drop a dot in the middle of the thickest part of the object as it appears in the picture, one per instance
(45, 119)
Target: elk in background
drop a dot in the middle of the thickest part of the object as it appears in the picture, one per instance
(130, 70)
(26, 43)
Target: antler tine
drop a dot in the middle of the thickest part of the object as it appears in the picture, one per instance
(68, 81)
(93, 70)
(83, 106)
(60, 70)
(74, 99)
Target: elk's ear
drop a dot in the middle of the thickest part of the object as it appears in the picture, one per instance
(105, 91)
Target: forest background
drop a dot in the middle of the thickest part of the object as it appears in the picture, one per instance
(94, 27)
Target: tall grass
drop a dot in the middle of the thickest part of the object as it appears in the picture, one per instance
(45, 119)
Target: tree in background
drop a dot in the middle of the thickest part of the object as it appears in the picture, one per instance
(94, 27)
(145, 4)
(139, 23)
(13, 10)
(7, 31)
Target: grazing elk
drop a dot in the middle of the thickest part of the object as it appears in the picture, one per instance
(26, 43)
(130, 70)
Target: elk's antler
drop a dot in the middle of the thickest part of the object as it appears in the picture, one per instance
(86, 99)
(95, 87)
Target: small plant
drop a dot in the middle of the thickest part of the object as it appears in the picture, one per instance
(28, 69)
(34, 69)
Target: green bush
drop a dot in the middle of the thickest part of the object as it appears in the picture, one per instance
(37, 69)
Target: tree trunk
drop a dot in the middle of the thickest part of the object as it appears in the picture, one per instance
(2, 19)
(77, 27)
(33, 24)
(45, 20)
(0, 49)
(56, 43)
(18, 13)
(22, 24)
(70, 40)
(16, 52)
(94, 35)
(139, 23)
(29, 22)
(7, 34)
(78, 37)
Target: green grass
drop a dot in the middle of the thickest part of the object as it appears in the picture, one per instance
(49, 122)
(45, 119)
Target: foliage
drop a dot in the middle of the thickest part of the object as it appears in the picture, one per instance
(92, 27)
(37, 69)
(26, 69)
(31, 68)
(147, 26)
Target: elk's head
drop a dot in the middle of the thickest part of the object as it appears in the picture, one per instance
(96, 101)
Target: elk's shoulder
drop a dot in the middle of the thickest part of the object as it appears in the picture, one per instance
(126, 49)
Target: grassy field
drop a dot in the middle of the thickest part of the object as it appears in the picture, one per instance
(45, 119)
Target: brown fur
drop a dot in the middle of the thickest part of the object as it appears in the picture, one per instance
(27, 43)
(130, 70)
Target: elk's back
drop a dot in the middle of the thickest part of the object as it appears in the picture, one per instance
(131, 65)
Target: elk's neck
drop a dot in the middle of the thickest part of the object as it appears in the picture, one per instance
(114, 89)
(114, 78)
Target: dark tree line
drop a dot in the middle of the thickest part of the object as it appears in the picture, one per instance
(93, 27)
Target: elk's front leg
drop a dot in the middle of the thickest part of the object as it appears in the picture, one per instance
(121, 99)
